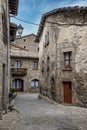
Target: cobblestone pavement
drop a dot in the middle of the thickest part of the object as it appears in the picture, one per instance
(40, 115)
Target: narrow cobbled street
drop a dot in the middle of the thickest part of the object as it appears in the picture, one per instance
(40, 115)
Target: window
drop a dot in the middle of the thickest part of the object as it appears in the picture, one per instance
(38, 49)
(47, 39)
(42, 66)
(24, 40)
(17, 64)
(35, 65)
(34, 83)
(48, 59)
(67, 59)
(25, 47)
(37, 83)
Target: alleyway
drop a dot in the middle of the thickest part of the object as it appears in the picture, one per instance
(40, 115)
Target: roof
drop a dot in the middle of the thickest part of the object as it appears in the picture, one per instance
(13, 24)
(26, 36)
(22, 52)
(13, 5)
(64, 9)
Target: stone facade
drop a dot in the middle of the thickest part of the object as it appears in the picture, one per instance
(4, 50)
(25, 50)
(3, 53)
(63, 78)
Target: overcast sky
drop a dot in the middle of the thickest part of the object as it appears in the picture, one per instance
(32, 10)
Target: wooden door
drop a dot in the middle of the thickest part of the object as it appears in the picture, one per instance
(67, 92)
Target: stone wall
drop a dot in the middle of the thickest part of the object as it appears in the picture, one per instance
(67, 33)
(3, 61)
(26, 56)
(27, 42)
(31, 74)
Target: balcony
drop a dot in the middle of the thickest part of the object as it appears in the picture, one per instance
(19, 71)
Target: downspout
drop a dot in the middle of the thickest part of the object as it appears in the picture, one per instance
(56, 52)
(0, 59)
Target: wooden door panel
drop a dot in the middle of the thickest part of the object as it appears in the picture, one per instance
(67, 92)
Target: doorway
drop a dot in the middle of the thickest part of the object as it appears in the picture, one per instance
(18, 84)
(67, 92)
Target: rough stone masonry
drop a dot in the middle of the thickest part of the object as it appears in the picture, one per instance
(62, 37)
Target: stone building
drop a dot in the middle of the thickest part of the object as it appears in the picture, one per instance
(62, 38)
(5, 7)
(24, 64)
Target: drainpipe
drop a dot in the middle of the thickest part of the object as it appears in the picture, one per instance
(56, 52)
(56, 68)
(0, 59)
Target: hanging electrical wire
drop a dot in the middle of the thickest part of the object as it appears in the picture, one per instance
(34, 23)
(50, 22)
(26, 21)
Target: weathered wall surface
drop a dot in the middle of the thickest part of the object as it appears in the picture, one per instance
(67, 32)
(74, 40)
(3, 59)
(27, 42)
(26, 56)
(31, 74)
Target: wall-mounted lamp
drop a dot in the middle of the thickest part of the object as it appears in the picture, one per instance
(20, 30)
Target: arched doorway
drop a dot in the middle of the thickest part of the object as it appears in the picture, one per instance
(18, 84)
